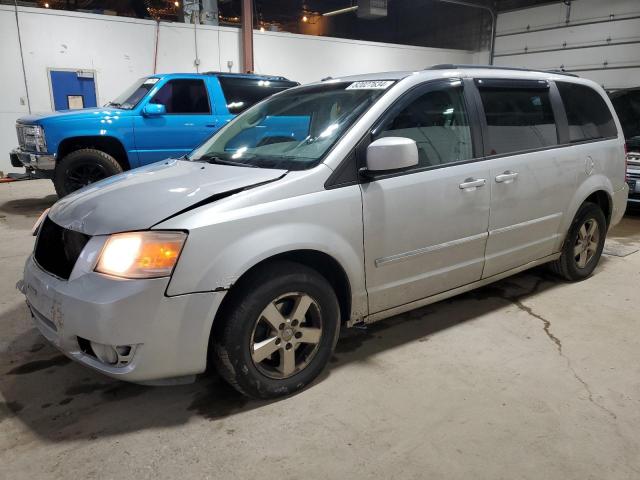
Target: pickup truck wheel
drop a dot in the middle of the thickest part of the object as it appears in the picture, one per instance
(584, 244)
(278, 332)
(81, 168)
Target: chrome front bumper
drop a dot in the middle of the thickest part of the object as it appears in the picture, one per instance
(32, 160)
(168, 336)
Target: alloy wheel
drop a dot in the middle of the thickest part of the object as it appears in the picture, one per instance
(587, 241)
(286, 335)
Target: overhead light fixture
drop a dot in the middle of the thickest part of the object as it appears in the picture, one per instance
(341, 11)
(46, 5)
(177, 4)
(305, 19)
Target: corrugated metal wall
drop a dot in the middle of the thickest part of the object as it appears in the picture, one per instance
(595, 39)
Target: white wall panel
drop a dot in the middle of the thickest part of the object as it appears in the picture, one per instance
(308, 58)
(176, 49)
(13, 101)
(119, 50)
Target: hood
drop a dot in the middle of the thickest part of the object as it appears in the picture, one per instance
(83, 114)
(141, 198)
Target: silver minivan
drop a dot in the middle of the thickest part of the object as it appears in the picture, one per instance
(333, 204)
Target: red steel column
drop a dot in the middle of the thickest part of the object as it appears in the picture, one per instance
(247, 36)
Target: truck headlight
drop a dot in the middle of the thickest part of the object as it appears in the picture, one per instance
(33, 137)
(141, 254)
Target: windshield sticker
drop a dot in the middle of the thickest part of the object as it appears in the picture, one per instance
(370, 85)
(151, 81)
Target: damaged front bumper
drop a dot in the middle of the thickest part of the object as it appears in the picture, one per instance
(126, 329)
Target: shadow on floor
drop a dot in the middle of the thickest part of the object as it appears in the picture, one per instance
(29, 207)
(60, 400)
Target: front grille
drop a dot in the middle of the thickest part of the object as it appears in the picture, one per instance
(58, 248)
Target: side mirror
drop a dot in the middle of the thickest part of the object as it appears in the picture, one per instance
(391, 153)
(153, 110)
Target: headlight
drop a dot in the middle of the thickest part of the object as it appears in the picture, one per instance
(141, 254)
(33, 138)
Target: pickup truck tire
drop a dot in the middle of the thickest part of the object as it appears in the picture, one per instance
(81, 168)
(277, 332)
(584, 244)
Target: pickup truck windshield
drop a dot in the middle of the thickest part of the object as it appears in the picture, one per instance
(132, 95)
(293, 130)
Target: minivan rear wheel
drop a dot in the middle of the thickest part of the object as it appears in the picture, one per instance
(277, 332)
(584, 244)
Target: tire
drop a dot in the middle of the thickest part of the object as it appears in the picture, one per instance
(248, 320)
(81, 168)
(583, 247)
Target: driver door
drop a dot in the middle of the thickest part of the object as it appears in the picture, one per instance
(187, 122)
(425, 229)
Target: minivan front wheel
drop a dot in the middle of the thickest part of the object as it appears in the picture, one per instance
(584, 244)
(277, 332)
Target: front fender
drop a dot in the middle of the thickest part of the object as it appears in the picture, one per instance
(217, 254)
(102, 123)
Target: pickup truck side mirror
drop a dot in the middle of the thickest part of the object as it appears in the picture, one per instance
(153, 110)
(391, 153)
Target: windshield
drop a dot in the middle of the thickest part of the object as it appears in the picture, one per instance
(293, 130)
(132, 95)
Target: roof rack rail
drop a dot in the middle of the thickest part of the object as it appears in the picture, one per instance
(452, 66)
(274, 77)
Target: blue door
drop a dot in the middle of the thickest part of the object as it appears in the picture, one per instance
(73, 90)
(186, 123)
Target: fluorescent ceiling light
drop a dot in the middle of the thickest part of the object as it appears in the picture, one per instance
(341, 11)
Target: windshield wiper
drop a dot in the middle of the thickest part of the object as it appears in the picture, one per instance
(222, 161)
(114, 104)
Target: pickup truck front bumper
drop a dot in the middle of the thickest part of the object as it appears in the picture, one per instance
(32, 160)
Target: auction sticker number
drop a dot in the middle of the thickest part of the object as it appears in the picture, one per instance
(370, 85)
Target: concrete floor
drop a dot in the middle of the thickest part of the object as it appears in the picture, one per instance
(530, 378)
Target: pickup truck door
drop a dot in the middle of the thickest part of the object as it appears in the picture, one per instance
(188, 121)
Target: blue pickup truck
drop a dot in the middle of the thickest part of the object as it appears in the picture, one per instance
(158, 117)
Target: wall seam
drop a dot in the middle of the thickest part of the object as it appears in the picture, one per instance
(24, 71)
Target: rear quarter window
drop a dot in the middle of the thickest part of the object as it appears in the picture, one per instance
(518, 119)
(588, 116)
(242, 93)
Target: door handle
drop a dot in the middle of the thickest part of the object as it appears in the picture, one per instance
(211, 125)
(471, 184)
(506, 177)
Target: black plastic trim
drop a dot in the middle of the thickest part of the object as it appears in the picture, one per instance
(511, 83)
(345, 175)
